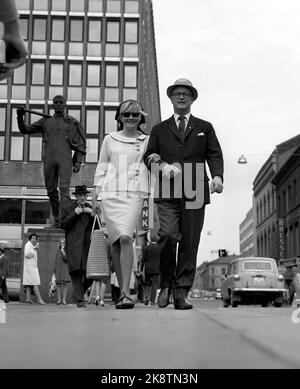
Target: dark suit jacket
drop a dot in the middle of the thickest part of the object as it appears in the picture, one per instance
(3, 267)
(200, 145)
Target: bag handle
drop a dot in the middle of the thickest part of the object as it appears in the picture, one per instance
(98, 220)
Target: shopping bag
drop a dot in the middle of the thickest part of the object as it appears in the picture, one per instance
(97, 262)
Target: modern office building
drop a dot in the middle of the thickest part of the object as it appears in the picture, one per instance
(96, 53)
(246, 230)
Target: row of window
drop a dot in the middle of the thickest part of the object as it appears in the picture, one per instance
(36, 211)
(113, 6)
(61, 29)
(289, 198)
(265, 206)
(18, 150)
(61, 73)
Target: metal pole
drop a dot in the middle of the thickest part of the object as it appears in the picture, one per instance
(37, 113)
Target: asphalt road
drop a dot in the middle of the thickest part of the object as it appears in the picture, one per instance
(209, 336)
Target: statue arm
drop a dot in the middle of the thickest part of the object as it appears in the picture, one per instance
(32, 128)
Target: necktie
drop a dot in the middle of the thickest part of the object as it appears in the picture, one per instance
(181, 127)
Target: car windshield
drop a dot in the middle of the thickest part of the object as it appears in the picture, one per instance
(257, 265)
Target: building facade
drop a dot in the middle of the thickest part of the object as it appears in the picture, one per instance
(266, 223)
(96, 53)
(287, 184)
(246, 230)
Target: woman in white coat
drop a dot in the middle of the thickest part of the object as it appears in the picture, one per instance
(121, 183)
(31, 277)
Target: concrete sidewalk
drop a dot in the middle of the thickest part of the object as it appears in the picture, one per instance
(65, 337)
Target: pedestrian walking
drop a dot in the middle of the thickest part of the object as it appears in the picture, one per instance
(121, 183)
(15, 49)
(62, 135)
(61, 272)
(3, 273)
(77, 221)
(31, 276)
(180, 146)
(296, 284)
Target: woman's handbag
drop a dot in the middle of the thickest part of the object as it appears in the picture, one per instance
(97, 262)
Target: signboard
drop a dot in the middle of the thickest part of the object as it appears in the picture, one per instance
(145, 214)
(281, 238)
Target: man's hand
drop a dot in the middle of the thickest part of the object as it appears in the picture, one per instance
(76, 167)
(170, 170)
(78, 210)
(216, 185)
(87, 210)
(20, 111)
(15, 49)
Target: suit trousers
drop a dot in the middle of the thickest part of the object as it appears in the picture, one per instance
(80, 285)
(178, 224)
(4, 290)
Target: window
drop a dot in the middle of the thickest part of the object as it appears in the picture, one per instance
(38, 74)
(10, 211)
(58, 5)
(92, 150)
(23, 4)
(112, 76)
(131, 6)
(75, 74)
(131, 32)
(92, 121)
(77, 5)
(58, 30)
(24, 27)
(213, 271)
(113, 6)
(2, 119)
(37, 212)
(14, 123)
(257, 265)
(56, 74)
(35, 148)
(95, 5)
(40, 5)
(93, 75)
(16, 148)
(94, 30)
(39, 29)
(76, 30)
(19, 83)
(223, 271)
(112, 32)
(2, 147)
(110, 121)
(130, 76)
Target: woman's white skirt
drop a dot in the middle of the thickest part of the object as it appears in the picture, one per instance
(121, 216)
(31, 273)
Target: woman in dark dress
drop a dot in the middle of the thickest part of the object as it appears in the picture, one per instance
(61, 272)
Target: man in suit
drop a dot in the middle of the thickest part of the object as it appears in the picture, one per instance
(177, 152)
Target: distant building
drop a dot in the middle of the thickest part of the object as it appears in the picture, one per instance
(287, 184)
(246, 229)
(209, 275)
(266, 238)
(96, 53)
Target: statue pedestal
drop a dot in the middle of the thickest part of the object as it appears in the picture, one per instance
(48, 243)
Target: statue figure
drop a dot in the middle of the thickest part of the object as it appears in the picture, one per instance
(61, 134)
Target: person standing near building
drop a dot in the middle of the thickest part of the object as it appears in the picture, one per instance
(3, 273)
(61, 273)
(181, 145)
(31, 276)
(62, 134)
(16, 51)
(121, 180)
(77, 221)
(296, 284)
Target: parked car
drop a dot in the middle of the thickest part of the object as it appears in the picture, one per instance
(218, 294)
(253, 280)
(195, 293)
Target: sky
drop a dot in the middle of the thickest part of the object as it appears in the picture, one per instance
(243, 57)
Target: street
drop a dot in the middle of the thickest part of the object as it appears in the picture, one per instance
(209, 336)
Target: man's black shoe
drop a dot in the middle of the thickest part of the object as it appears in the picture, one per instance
(182, 304)
(164, 297)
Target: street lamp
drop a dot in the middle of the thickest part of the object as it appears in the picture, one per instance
(242, 160)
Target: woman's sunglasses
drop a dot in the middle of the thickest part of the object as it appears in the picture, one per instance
(128, 114)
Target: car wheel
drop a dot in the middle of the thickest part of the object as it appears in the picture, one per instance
(276, 304)
(264, 304)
